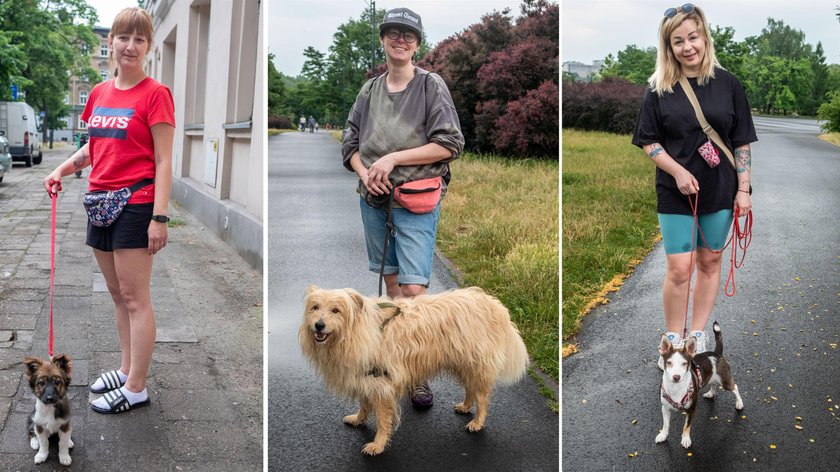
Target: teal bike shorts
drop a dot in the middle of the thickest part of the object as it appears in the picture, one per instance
(676, 231)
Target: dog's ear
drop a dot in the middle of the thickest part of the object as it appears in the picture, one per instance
(357, 298)
(311, 289)
(665, 345)
(63, 362)
(690, 346)
(31, 365)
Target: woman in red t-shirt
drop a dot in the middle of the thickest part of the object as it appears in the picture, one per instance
(131, 126)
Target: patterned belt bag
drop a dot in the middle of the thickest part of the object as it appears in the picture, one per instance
(104, 206)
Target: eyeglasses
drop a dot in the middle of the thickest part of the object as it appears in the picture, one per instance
(687, 9)
(394, 35)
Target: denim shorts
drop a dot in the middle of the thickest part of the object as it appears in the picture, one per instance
(410, 251)
(676, 231)
(129, 231)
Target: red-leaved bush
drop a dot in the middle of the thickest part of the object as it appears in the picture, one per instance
(497, 72)
(517, 131)
(610, 105)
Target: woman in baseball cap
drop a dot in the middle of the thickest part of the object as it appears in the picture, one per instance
(403, 127)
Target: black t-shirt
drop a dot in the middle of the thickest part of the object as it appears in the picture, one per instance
(670, 121)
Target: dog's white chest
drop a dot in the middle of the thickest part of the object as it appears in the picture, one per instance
(45, 418)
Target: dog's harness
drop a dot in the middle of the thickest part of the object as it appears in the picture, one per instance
(696, 378)
(377, 371)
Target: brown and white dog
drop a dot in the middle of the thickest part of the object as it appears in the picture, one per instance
(374, 350)
(685, 374)
(49, 382)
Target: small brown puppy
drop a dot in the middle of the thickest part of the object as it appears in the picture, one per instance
(49, 382)
(374, 350)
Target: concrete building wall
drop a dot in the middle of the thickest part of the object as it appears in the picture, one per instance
(207, 52)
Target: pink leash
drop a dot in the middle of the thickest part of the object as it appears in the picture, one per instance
(54, 198)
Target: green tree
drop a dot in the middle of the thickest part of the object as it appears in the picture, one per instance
(12, 64)
(276, 89)
(830, 112)
(730, 53)
(56, 38)
(633, 64)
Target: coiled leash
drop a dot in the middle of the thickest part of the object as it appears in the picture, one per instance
(738, 238)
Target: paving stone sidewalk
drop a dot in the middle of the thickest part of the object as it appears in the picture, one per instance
(206, 377)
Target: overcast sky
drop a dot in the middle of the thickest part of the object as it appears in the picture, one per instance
(591, 29)
(294, 25)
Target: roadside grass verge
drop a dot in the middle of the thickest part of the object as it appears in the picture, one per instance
(499, 227)
(273, 131)
(609, 218)
(833, 138)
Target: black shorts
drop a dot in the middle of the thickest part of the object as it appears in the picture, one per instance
(129, 231)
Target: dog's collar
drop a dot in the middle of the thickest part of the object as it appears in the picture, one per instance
(397, 313)
(696, 379)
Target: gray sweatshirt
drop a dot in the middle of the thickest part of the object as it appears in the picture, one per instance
(381, 122)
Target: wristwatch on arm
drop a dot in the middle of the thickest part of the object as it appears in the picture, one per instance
(160, 218)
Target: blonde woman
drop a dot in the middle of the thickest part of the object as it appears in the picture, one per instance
(131, 126)
(668, 131)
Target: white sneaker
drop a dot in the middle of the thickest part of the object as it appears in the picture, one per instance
(676, 341)
(700, 341)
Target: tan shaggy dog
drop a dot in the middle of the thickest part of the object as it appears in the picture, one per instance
(375, 350)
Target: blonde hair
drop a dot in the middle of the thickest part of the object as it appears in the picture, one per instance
(668, 70)
(130, 20)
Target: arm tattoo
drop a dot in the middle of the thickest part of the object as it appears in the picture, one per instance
(79, 160)
(655, 151)
(743, 160)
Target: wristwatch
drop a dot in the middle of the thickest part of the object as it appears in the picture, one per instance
(160, 218)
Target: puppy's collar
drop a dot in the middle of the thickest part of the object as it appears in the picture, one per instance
(696, 379)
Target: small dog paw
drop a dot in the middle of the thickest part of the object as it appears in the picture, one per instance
(461, 408)
(64, 459)
(686, 442)
(474, 426)
(33, 443)
(661, 437)
(372, 449)
(353, 420)
(739, 405)
(40, 458)
(710, 393)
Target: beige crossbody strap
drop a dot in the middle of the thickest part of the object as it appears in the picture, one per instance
(707, 128)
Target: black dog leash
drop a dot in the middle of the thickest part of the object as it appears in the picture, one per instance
(391, 231)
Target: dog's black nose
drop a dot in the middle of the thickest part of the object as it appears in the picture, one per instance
(676, 378)
(319, 325)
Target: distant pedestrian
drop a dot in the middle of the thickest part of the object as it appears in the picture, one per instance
(302, 123)
(669, 132)
(311, 124)
(403, 127)
(131, 125)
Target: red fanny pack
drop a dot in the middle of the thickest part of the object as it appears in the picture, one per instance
(420, 196)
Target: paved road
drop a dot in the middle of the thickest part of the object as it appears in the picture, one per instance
(781, 335)
(206, 377)
(315, 237)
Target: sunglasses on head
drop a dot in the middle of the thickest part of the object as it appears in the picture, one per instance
(687, 8)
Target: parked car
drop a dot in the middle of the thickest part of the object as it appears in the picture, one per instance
(5, 157)
(19, 122)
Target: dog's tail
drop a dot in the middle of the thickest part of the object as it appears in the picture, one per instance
(516, 358)
(718, 339)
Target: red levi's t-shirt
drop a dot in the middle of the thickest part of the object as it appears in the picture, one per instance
(121, 148)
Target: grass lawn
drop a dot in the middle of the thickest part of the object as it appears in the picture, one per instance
(609, 217)
(499, 226)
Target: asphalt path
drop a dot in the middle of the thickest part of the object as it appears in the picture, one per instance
(316, 237)
(780, 331)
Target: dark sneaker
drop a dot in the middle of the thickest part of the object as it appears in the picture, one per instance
(421, 397)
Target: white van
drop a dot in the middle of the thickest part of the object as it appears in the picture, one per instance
(19, 124)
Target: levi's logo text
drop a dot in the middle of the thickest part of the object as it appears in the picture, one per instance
(109, 122)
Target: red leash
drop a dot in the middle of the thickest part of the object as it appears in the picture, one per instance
(739, 238)
(54, 198)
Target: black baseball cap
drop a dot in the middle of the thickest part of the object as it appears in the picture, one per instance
(402, 17)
